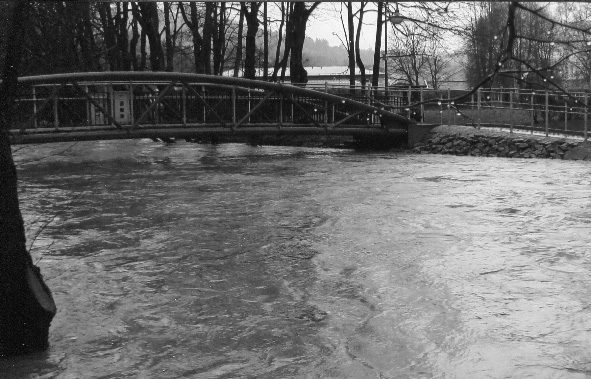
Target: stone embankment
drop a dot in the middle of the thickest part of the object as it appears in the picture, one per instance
(462, 140)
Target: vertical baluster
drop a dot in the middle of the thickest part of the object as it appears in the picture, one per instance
(55, 109)
(35, 125)
(547, 113)
(532, 112)
(511, 111)
(234, 105)
(131, 104)
(565, 115)
(585, 116)
(184, 103)
(205, 99)
(422, 115)
(280, 110)
(449, 106)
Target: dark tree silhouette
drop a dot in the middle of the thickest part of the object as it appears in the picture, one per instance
(27, 305)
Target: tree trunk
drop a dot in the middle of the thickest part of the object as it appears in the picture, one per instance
(278, 50)
(122, 36)
(193, 24)
(27, 305)
(208, 31)
(238, 60)
(351, 44)
(288, 39)
(85, 36)
(143, 53)
(219, 39)
(110, 35)
(149, 21)
(298, 20)
(357, 48)
(252, 22)
(265, 44)
(377, 59)
(168, 39)
(135, 37)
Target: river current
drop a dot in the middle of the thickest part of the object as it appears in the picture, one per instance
(233, 261)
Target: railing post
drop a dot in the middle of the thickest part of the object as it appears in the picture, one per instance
(585, 116)
(249, 105)
(34, 107)
(510, 110)
(333, 111)
(234, 104)
(440, 109)
(280, 110)
(55, 115)
(479, 106)
(112, 102)
(89, 116)
(204, 98)
(472, 105)
(449, 106)
(532, 112)
(184, 104)
(422, 115)
(131, 110)
(565, 115)
(409, 101)
(547, 113)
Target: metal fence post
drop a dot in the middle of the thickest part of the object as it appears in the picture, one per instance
(131, 110)
(511, 111)
(479, 106)
(234, 104)
(585, 116)
(422, 115)
(55, 115)
(532, 112)
(112, 100)
(565, 115)
(280, 109)
(547, 112)
(184, 104)
(409, 101)
(34, 107)
(204, 97)
(449, 106)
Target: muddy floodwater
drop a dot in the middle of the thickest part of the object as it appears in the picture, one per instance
(233, 261)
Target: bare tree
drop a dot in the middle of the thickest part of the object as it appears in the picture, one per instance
(409, 54)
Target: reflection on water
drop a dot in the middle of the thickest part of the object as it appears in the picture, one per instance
(193, 261)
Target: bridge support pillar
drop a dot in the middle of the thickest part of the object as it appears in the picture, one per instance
(416, 132)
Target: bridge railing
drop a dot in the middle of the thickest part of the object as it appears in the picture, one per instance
(540, 111)
(133, 101)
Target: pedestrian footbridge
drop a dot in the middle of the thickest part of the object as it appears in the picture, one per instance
(166, 105)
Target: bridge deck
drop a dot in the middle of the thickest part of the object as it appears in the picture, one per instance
(117, 105)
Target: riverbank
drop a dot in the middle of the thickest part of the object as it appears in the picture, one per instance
(467, 140)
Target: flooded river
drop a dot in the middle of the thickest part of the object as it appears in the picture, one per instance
(232, 261)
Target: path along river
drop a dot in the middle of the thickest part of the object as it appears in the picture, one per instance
(231, 261)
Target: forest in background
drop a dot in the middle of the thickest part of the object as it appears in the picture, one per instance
(437, 40)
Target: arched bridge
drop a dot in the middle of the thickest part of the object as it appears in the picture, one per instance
(123, 105)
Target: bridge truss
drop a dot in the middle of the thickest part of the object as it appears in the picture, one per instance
(123, 105)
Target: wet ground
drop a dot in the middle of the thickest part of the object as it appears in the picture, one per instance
(193, 261)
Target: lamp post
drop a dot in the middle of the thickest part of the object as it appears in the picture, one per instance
(395, 18)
